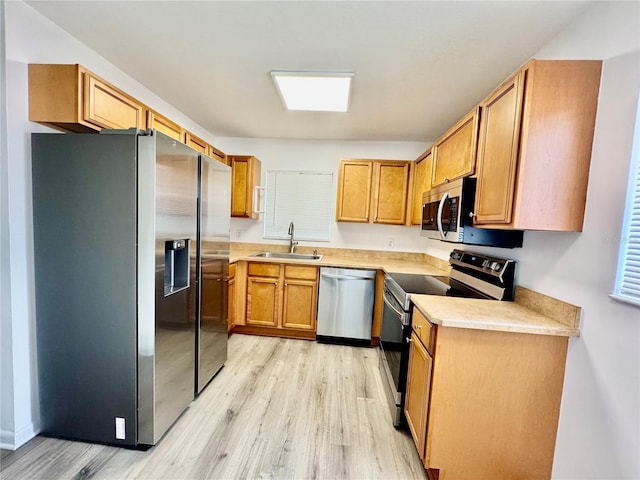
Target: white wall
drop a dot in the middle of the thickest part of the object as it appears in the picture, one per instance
(319, 155)
(30, 38)
(599, 431)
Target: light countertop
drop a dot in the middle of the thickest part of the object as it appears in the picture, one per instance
(488, 315)
(373, 261)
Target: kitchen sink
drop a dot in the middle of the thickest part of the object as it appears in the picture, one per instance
(290, 256)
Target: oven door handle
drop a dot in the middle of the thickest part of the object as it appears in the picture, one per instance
(402, 315)
(444, 198)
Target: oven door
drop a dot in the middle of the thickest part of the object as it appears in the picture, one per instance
(394, 349)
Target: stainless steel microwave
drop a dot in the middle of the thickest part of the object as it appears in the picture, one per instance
(447, 212)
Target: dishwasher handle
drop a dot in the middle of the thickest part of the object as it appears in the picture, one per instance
(345, 277)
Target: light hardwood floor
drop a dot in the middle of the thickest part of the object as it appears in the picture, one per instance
(280, 408)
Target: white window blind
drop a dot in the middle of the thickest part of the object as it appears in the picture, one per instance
(627, 288)
(304, 198)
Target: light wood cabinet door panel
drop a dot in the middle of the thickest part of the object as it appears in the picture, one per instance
(354, 191)
(107, 107)
(417, 397)
(164, 125)
(231, 301)
(391, 189)
(498, 153)
(300, 304)
(196, 143)
(262, 301)
(454, 154)
(245, 176)
(421, 184)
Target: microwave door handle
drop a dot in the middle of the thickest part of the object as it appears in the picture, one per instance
(439, 216)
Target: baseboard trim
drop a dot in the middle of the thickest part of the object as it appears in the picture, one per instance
(13, 440)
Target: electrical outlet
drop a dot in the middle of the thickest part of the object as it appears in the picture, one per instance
(390, 242)
(238, 234)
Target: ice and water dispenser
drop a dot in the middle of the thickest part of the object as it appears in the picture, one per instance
(176, 266)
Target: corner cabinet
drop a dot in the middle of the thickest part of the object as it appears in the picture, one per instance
(281, 300)
(373, 191)
(484, 404)
(70, 98)
(454, 154)
(245, 177)
(535, 145)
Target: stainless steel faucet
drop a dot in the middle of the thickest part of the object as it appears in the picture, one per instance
(292, 244)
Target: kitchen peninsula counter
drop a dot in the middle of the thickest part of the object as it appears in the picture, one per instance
(489, 315)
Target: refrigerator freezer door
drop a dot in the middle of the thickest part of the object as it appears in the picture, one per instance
(213, 269)
(84, 220)
(167, 215)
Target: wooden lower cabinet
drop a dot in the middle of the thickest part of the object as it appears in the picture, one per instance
(281, 299)
(493, 404)
(417, 397)
(231, 298)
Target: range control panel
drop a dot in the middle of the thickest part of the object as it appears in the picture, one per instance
(489, 265)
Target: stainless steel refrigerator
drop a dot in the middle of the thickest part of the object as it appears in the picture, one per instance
(120, 220)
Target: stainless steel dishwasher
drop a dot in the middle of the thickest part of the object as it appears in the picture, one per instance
(345, 303)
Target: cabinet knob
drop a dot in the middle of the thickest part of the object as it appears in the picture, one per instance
(418, 326)
(446, 179)
(285, 284)
(218, 280)
(276, 284)
(408, 340)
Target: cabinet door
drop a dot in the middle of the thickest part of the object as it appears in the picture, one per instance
(213, 296)
(498, 152)
(217, 155)
(262, 301)
(354, 191)
(107, 107)
(390, 192)
(416, 404)
(231, 300)
(454, 154)
(245, 176)
(164, 125)
(421, 184)
(300, 304)
(196, 143)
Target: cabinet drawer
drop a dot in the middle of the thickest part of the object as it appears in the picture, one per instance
(297, 271)
(264, 269)
(232, 270)
(424, 329)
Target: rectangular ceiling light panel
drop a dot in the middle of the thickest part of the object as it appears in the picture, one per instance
(319, 92)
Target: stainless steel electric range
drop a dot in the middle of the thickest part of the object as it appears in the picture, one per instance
(472, 275)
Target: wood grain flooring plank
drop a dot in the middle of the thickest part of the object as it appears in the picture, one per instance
(280, 409)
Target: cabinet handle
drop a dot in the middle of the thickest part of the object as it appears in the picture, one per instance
(218, 280)
(276, 284)
(446, 179)
(408, 340)
(418, 326)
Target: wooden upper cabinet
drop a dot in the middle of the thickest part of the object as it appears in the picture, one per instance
(422, 171)
(108, 107)
(73, 99)
(373, 191)
(354, 190)
(454, 154)
(164, 125)
(216, 154)
(196, 143)
(535, 145)
(245, 176)
(390, 190)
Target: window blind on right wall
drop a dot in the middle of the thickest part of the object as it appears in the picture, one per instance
(627, 288)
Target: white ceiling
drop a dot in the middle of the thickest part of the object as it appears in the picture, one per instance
(419, 66)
